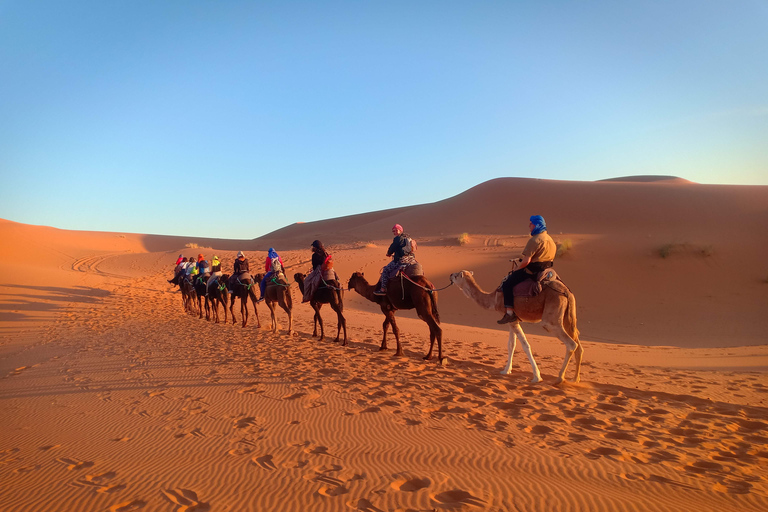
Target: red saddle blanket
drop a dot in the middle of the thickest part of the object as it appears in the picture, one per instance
(532, 287)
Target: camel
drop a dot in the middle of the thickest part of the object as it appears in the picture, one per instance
(187, 294)
(242, 287)
(554, 309)
(201, 288)
(218, 294)
(404, 294)
(276, 293)
(331, 294)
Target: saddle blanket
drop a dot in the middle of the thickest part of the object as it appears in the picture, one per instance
(532, 287)
(242, 277)
(410, 269)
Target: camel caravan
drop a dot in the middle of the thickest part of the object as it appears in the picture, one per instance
(531, 292)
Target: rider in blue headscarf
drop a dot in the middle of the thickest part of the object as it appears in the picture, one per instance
(539, 226)
(538, 255)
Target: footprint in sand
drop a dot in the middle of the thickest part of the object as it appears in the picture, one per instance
(128, 506)
(264, 462)
(74, 464)
(457, 498)
(410, 484)
(186, 500)
(27, 469)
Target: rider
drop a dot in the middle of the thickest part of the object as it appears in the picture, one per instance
(241, 267)
(203, 268)
(216, 270)
(312, 281)
(191, 268)
(216, 265)
(401, 249)
(538, 254)
(177, 268)
(273, 266)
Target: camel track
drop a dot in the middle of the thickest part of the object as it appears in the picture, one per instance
(90, 264)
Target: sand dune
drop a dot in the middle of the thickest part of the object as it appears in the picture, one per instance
(116, 399)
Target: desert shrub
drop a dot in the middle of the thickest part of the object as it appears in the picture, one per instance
(191, 245)
(563, 247)
(370, 245)
(666, 249)
(463, 239)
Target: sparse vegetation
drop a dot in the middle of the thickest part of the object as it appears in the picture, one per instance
(464, 239)
(370, 245)
(191, 245)
(666, 250)
(563, 248)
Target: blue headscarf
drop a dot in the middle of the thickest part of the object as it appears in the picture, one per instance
(539, 226)
(272, 253)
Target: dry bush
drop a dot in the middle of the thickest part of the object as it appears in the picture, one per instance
(192, 245)
(463, 239)
(563, 248)
(666, 250)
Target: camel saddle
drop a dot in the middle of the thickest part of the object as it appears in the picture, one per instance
(532, 287)
(410, 270)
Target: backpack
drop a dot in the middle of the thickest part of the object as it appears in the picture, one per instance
(327, 264)
(410, 246)
(277, 268)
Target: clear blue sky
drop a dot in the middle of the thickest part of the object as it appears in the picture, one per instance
(234, 118)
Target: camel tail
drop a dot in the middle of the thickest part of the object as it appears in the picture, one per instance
(570, 319)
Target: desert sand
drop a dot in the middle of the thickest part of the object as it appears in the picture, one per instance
(116, 399)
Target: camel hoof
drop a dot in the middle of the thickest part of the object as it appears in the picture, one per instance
(443, 361)
(506, 371)
(428, 357)
(536, 379)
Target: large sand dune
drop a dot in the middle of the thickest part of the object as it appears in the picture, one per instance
(116, 399)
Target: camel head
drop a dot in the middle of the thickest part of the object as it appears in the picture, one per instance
(355, 279)
(460, 279)
(298, 277)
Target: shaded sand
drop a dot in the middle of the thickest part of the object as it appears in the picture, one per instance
(116, 399)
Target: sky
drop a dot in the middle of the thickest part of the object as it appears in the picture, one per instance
(231, 119)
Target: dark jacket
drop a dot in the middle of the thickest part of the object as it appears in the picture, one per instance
(397, 247)
(241, 266)
(318, 258)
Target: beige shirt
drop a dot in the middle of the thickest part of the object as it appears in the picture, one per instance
(540, 247)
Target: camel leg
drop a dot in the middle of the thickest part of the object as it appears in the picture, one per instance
(435, 334)
(570, 347)
(515, 331)
(252, 295)
(396, 332)
(577, 359)
(317, 319)
(290, 317)
(385, 326)
(244, 309)
(271, 306)
(342, 324)
(232, 309)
